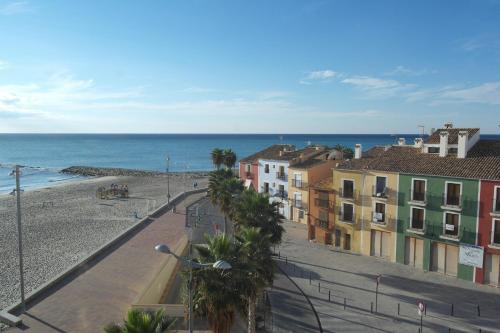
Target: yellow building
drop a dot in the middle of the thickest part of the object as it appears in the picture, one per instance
(303, 174)
(366, 206)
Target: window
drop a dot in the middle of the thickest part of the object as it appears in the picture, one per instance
(323, 219)
(298, 200)
(338, 235)
(380, 186)
(266, 187)
(347, 212)
(348, 189)
(347, 242)
(249, 168)
(452, 151)
(281, 173)
(417, 218)
(281, 190)
(266, 168)
(379, 214)
(418, 193)
(297, 181)
(496, 204)
(452, 194)
(433, 150)
(451, 223)
(301, 214)
(495, 234)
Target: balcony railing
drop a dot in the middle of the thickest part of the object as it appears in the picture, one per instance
(452, 200)
(249, 175)
(298, 183)
(297, 204)
(415, 224)
(346, 218)
(418, 196)
(380, 192)
(346, 194)
(322, 223)
(281, 175)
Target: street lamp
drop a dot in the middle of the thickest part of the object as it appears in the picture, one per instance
(17, 191)
(219, 264)
(168, 179)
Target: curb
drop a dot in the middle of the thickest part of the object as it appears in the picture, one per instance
(304, 294)
(101, 250)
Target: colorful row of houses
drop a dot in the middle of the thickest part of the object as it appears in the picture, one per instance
(433, 204)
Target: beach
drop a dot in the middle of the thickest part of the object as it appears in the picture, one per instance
(65, 223)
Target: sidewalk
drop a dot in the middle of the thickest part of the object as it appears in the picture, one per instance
(103, 291)
(342, 275)
(290, 309)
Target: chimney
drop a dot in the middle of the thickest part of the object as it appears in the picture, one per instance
(401, 141)
(432, 131)
(448, 125)
(418, 142)
(463, 142)
(357, 151)
(443, 143)
(281, 152)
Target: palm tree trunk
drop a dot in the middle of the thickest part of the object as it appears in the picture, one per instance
(252, 302)
(225, 224)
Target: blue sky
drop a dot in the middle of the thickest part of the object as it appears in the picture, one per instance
(248, 66)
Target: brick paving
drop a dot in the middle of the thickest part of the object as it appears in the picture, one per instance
(353, 277)
(103, 291)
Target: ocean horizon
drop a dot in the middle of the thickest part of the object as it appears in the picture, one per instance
(45, 155)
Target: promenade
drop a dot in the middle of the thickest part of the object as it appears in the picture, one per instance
(102, 291)
(338, 276)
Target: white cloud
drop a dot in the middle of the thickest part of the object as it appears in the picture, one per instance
(375, 87)
(16, 7)
(323, 75)
(405, 71)
(488, 93)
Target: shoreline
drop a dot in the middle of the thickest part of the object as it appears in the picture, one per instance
(89, 171)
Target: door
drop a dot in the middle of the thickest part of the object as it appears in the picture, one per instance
(338, 235)
(438, 263)
(376, 246)
(414, 254)
(384, 249)
(347, 242)
(451, 260)
(419, 253)
(492, 269)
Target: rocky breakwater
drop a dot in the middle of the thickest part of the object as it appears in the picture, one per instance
(103, 172)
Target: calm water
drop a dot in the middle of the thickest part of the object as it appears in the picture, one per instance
(46, 154)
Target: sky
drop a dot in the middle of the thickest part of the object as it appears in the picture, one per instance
(270, 66)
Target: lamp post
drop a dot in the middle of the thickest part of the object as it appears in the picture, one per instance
(219, 264)
(168, 179)
(17, 191)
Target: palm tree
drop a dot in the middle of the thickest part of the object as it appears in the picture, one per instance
(256, 254)
(253, 209)
(217, 157)
(143, 322)
(216, 295)
(229, 158)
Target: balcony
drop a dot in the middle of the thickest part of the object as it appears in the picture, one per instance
(297, 183)
(248, 175)
(416, 226)
(281, 176)
(452, 202)
(418, 198)
(382, 193)
(299, 204)
(346, 194)
(379, 218)
(321, 223)
(324, 203)
(346, 218)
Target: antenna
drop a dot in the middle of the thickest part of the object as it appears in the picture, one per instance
(423, 129)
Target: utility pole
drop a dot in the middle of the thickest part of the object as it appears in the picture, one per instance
(423, 129)
(20, 236)
(168, 179)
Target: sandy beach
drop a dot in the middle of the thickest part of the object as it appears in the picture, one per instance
(65, 223)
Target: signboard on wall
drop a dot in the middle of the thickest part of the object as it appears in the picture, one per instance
(471, 255)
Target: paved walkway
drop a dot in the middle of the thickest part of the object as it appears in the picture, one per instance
(103, 291)
(290, 309)
(353, 277)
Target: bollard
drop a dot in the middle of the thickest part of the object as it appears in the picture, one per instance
(279, 254)
(371, 307)
(310, 278)
(294, 268)
(329, 299)
(319, 287)
(480, 330)
(399, 305)
(425, 309)
(478, 311)
(449, 329)
(452, 310)
(344, 302)
(286, 260)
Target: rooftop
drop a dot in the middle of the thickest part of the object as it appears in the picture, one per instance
(271, 152)
(452, 135)
(324, 184)
(482, 162)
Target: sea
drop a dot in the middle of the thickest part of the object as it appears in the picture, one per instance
(45, 155)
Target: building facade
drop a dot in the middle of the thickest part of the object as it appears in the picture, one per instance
(321, 217)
